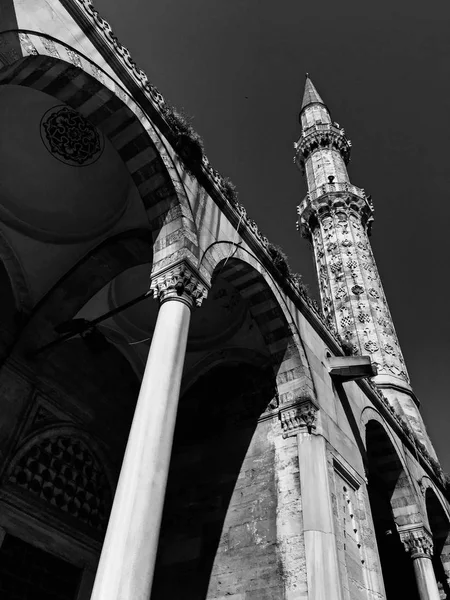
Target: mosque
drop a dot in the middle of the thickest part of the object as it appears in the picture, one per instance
(180, 420)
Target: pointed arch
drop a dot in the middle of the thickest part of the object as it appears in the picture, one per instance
(85, 279)
(389, 467)
(86, 88)
(439, 522)
(269, 310)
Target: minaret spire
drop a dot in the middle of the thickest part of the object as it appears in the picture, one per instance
(336, 217)
(310, 95)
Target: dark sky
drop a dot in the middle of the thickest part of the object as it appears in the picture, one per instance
(237, 67)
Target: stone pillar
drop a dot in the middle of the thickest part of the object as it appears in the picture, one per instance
(126, 566)
(418, 541)
(322, 567)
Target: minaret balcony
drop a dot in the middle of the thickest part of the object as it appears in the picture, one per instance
(322, 135)
(334, 197)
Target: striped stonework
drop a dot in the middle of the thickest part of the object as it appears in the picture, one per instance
(288, 360)
(166, 208)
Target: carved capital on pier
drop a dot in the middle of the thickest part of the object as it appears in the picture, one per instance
(298, 416)
(418, 541)
(179, 282)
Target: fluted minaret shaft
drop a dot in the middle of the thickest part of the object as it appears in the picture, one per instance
(336, 217)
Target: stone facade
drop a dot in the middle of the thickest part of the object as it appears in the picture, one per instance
(179, 418)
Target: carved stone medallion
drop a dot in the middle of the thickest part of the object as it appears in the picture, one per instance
(71, 138)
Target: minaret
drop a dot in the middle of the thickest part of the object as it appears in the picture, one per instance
(336, 217)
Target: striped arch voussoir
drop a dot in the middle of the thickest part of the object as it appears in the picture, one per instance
(391, 466)
(245, 274)
(104, 103)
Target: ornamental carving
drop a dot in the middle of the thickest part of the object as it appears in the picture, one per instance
(63, 472)
(69, 137)
(357, 290)
(336, 266)
(179, 282)
(298, 416)
(417, 541)
(371, 346)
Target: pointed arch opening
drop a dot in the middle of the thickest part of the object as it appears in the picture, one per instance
(392, 502)
(440, 530)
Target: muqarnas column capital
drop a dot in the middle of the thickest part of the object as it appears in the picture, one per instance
(298, 415)
(417, 541)
(179, 282)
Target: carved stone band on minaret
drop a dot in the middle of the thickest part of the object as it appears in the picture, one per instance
(179, 282)
(333, 197)
(319, 136)
(418, 542)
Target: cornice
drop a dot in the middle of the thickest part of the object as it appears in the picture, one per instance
(318, 137)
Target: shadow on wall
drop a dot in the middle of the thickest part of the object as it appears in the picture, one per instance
(220, 500)
(386, 480)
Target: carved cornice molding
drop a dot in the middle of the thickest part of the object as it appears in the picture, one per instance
(104, 29)
(179, 282)
(297, 416)
(315, 208)
(321, 136)
(418, 542)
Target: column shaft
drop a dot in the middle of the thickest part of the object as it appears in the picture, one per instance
(128, 556)
(425, 578)
(322, 565)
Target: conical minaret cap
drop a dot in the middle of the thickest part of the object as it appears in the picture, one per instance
(310, 95)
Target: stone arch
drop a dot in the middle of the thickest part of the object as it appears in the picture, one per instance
(16, 275)
(82, 281)
(15, 301)
(386, 460)
(228, 355)
(269, 310)
(89, 90)
(439, 522)
(394, 504)
(66, 468)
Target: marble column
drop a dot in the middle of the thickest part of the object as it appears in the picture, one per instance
(125, 571)
(418, 542)
(322, 567)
